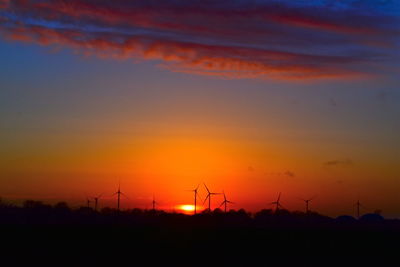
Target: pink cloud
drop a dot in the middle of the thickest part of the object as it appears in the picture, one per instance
(207, 38)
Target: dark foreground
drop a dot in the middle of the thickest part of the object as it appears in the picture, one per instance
(157, 239)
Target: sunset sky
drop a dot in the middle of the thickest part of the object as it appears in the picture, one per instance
(251, 97)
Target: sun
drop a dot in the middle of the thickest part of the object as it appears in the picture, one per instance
(186, 208)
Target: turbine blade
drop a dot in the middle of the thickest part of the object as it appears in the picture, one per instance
(124, 195)
(198, 195)
(279, 196)
(206, 188)
(206, 199)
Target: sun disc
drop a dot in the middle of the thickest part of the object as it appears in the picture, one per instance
(186, 208)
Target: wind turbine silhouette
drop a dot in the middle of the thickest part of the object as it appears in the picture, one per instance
(307, 201)
(96, 201)
(88, 201)
(119, 193)
(154, 203)
(225, 202)
(358, 205)
(196, 194)
(209, 194)
(277, 203)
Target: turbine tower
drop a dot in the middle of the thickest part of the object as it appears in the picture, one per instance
(307, 201)
(196, 194)
(277, 203)
(154, 203)
(358, 205)
(119, 193)
(88, 201)
(96, 201)
(209, 194)
(225, 202)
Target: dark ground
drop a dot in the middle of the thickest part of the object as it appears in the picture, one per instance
(60, 237)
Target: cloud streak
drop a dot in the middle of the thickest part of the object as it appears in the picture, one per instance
(289, 174)
(338, 163)
(232, 39)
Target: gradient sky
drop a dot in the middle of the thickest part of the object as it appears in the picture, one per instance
(251, 97)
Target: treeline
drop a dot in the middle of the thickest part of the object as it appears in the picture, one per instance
(36, 212)
(37, 233)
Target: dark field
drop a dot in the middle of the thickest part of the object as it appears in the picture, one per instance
(60, 237)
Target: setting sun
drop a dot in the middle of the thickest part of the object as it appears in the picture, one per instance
(186, 208)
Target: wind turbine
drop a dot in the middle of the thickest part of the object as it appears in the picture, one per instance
(277, 203)
(96, 201)
(119, 193)
(358, 205)
(88, 201)
(154, 203)
(225, 202)
(196, 194)
(209, 194)
(307, 201)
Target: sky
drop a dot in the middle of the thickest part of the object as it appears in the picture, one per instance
(252, 98)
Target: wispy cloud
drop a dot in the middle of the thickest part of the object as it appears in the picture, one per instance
(289, 174)
(233, 39)
(338, 163)
(332, 102)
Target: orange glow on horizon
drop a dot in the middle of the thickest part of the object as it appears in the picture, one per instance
(180, 164)
(188, 208)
